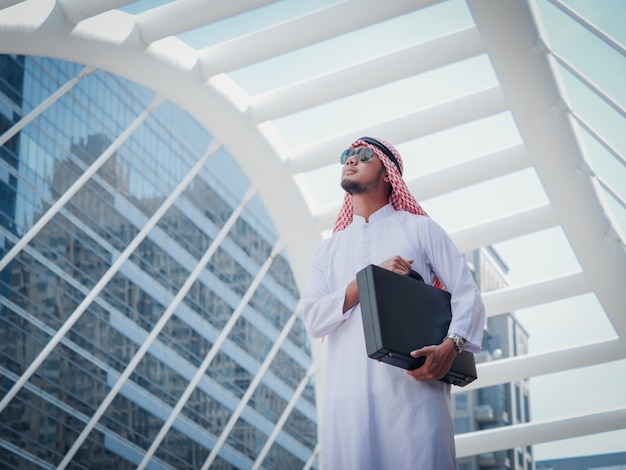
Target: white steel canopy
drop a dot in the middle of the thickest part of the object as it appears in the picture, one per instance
(261, 125)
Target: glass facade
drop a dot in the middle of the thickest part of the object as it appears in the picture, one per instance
(110, 261)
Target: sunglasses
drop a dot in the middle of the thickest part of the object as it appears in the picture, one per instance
(362, 153)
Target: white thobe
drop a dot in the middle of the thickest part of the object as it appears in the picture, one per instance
(374, 415)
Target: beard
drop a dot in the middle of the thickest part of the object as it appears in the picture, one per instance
(354, 187)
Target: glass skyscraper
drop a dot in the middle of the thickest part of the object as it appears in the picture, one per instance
(147, 309)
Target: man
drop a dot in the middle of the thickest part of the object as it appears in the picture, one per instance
(374, 415)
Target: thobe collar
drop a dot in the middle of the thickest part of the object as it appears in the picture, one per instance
(376, 216)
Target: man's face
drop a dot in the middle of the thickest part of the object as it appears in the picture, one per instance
(359, 177)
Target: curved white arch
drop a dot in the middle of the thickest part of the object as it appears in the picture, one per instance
(172, 69)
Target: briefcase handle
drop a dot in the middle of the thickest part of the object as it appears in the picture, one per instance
(416, 275)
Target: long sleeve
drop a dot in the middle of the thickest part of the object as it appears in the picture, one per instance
(447, 263)
(322, 310)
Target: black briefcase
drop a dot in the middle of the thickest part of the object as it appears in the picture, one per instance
(401, 314)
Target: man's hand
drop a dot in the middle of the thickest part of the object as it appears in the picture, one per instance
(439, 359)
(398, 264)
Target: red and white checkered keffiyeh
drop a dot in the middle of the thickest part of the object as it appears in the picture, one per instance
(401, 198)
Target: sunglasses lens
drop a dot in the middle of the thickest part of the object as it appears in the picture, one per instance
(363, 154)
(347, 153)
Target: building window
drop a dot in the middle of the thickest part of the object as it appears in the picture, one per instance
(460, 402)
(462, 425)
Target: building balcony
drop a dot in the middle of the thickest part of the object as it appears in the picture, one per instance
(486, 414)
(494, 460)
(487, 460)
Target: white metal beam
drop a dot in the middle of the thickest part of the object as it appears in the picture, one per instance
(369, 74)
(8, 3)
(313, 457)
(509, 437)
(184, 15)
(513, 298)
(587, 25)
(283, 417)
(505, 228)
(567, 65)
(78, 10)
(471, 107)
(302, 31)
(483, 234)
(550, 362)
(437, 183)
(602, 141)
(45, 104)
(471, 172)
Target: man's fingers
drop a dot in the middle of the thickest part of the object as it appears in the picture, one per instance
(398, 264)
(425, 351)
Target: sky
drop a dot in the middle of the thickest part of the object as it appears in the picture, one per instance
(577, 320)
